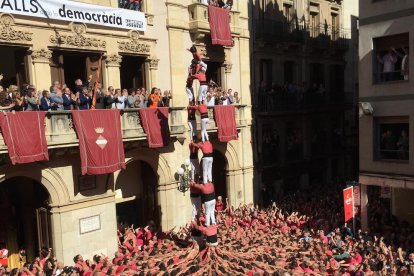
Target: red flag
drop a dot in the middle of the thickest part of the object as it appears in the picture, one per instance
(348, 203)
(24, 134)
(219, 20)
(226, 122)
(154, 121)
(100, 140)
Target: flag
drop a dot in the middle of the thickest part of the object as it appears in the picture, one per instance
(348, 203)
(24, 135)
(100, 140)
(154, 121)
(226, 122)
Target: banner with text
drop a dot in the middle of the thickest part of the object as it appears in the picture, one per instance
(78, 12)
(348, 203)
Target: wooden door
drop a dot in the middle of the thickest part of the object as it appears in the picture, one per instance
(56, 68)
(43, 228)
(21, 59)
(93, 62)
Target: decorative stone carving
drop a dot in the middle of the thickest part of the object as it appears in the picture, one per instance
(8, 33)
(78, 39)
(113, 60)
(133, 45)
(41, 55)
(153, 63)
(227, 68)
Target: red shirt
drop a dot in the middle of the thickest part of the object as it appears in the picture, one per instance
(219, 206)
(206, 147)
(202, 108)
(206, 189)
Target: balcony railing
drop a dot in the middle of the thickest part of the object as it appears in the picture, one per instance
(302, 32)
(60, 131)
(199, 19)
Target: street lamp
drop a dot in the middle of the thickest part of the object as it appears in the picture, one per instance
(184, 175)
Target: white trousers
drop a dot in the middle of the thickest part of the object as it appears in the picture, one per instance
(192, 125)
(204, 126)
(196, 203)
(202, 92)
(210, 206)
(190, 93)
(207, 168)
(195, 168)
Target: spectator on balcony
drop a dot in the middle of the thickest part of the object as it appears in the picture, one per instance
(228, 5)
(79, 85)
(5, 102)
(69, 99)
(154, 98)
(230, 97)
(236, 97)
(404, 61)
(121, 98)
(204, 2)
(132, 98)
(109, 101)
(210, 99)
(165, 100)
(214, 3)
(45, 102)
(32, 99)
(99, 97)
(57, 99)
(403, 146)
(140, 103)
(84, 99)
(135, 5)
(18, 101)
(388, 62)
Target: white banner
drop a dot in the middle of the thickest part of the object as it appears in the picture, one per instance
(78, 12)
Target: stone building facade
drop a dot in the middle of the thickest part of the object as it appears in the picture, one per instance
(53, 204)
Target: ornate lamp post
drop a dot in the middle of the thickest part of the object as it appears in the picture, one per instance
(184, 175)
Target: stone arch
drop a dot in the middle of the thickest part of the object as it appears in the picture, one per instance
(46, 176)
(230, 153)
(157, 162)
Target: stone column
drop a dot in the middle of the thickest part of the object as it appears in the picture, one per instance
(113, 75)
(152, 69)
(40, 68)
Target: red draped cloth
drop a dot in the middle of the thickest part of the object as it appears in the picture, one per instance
(220, 26)
(100, 140)
(226, 122)
(24, 135)
(154, 121)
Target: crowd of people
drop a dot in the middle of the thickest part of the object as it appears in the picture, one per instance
(135, 5)
(228, 4)
(290, 95)
(303, 234)
(61, 97)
